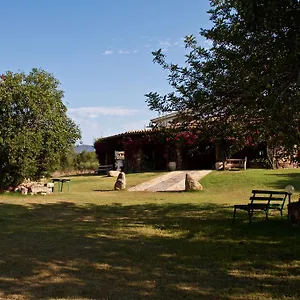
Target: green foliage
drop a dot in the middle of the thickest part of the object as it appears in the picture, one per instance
(71, 161)
(248, 83)
(67, 161)
(86, 161)
(35, 130)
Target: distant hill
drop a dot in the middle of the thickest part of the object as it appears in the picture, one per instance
(86, 148)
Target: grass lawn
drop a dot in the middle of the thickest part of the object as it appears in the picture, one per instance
(96, 243)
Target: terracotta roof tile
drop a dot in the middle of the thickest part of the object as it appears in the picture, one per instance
(131, 132)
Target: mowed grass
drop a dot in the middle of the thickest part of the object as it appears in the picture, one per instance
(96, 243)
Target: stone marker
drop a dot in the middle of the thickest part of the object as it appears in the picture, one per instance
(121, 182)
(191, 184)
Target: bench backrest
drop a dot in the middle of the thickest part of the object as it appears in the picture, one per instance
(236, 162)
(269, 197)
(105, 167)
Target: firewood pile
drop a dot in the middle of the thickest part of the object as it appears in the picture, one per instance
(33, 188)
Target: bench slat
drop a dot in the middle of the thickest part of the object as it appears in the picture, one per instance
(275, 205)
(261, 198)
(251, 206)
(269, 192)
(105, 166)
(258, 206)
(232, 163)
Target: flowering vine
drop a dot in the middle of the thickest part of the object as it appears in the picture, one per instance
(168, 139)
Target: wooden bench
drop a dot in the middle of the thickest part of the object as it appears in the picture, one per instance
(235, 163)
(265, 201)
(104, 169)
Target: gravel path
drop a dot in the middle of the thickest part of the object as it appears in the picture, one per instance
(172, 181)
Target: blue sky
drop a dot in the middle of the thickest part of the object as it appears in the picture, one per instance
(100, 51)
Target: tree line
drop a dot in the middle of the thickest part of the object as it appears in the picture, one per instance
(78, 162)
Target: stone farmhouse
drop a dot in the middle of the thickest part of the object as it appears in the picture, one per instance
(154, 148)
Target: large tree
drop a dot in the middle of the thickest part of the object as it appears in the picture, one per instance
(35, 130)
(247, 85)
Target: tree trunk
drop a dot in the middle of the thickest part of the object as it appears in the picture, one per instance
(271, 157)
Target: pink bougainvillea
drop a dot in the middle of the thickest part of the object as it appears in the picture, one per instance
(169, 139)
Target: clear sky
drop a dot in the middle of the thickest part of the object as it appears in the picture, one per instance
(100, 51)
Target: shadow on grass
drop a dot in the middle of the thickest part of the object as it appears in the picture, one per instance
(173, 191)
(179, 251)
(287, 179)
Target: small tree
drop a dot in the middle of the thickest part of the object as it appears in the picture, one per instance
(35, 131)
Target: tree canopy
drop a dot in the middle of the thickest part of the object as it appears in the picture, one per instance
(246, 86)
(35, 130)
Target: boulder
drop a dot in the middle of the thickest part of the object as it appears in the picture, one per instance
(172, 166)
(120, 182)
(191, 184)
(219, 165)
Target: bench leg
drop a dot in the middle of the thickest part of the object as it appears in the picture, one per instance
(267, 214)
(234, 212)
(250, 214)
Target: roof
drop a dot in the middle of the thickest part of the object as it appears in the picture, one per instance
(164, 121)
(131, 132)
(160, 119)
